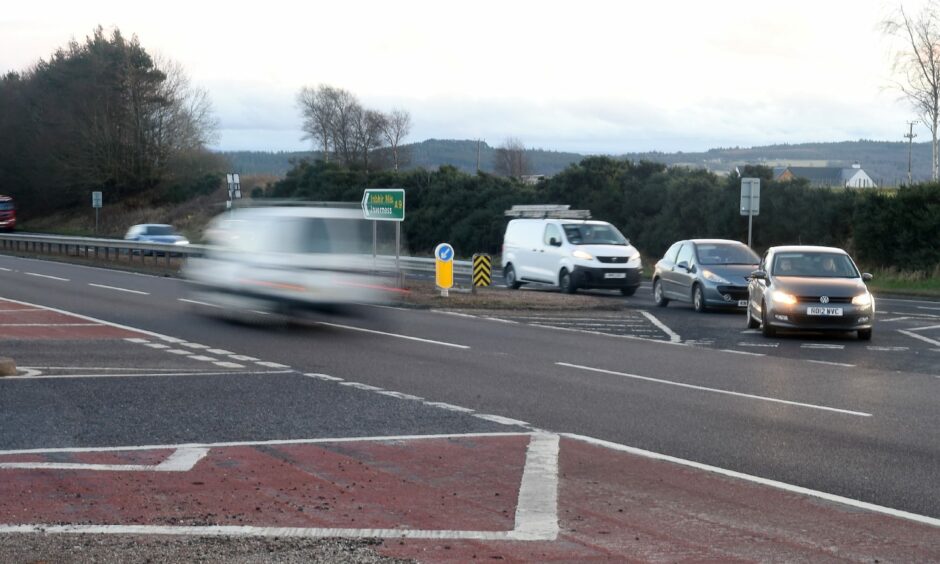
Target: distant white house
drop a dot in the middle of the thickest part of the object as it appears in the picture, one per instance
(827, 176)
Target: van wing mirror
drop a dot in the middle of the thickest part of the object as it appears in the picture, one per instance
(554, 242)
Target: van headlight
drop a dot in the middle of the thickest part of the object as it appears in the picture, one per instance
(584, 255)
(862, 299)
(712, 277)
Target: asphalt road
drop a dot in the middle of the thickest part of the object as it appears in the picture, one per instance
(861, 426)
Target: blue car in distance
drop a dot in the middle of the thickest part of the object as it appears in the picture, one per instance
(155, 233)
(708, 273)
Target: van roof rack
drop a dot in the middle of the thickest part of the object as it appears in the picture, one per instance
(546, 211)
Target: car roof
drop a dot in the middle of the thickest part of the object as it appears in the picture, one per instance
(152, 225)
(710, 241)
(806, 249)
(561, 220)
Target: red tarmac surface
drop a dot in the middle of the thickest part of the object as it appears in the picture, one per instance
(23, 322)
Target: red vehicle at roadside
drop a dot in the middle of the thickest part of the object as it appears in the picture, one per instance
(7, 213)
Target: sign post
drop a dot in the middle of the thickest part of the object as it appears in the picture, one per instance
(96, 203)
(234, 189)
(385, 204)
(444, 267)
(750, 202)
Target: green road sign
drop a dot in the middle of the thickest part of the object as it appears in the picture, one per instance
(384, 204)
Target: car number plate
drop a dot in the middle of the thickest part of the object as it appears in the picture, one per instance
(615, 275)
(825, 311)
(742, 303)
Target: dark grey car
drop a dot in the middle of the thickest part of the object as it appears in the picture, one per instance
(706, 272)
(812, 288)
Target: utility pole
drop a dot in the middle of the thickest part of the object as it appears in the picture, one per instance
(479, 142)
(910, 148)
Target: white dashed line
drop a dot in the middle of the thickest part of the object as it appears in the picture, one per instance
(197, 302)
(449, 406)
(136, 340)
(401, 396)
(501, 420)
(888, 349)
(243, 358)
(47, 276)
(179, 351)
(826, 362)
(742, 352)
(204, 358)
(156, 345)
(360, 386)
(194, 345)
(228, 364)
(326, 377)
(271, 364)
(821, 346)
(767, 345)
(219, 351)
(928, 328)
(396, 335)
(119, 289)
(673, 336)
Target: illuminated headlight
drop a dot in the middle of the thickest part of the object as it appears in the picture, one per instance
(582, 255)
(712, 277)
(862, 299)
(783, 297)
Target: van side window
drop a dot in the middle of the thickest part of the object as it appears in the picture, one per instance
(552, 232)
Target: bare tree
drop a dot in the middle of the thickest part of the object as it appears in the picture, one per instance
(510, 159)
(397, 126)
(318, 108)
(917, 64)
(367, 130)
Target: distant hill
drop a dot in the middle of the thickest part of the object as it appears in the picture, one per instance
(885, 161)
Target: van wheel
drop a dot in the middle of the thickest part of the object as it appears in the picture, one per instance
(698, 299)
(566, 283)
(765, 328)
(658, 297)
(509, 275)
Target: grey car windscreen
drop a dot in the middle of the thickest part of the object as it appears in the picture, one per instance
(593, 234)
(724, 253)
(814, 265)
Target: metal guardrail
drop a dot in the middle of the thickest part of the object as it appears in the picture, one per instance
(120, 249)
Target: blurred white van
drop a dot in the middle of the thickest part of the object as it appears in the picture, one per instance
(287, 259)
(569, 254)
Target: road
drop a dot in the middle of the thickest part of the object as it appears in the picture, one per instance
(828, 413)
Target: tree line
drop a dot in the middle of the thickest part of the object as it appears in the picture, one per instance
(103, 115)
(652, 204)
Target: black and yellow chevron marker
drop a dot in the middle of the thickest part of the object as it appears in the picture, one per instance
(482, 270)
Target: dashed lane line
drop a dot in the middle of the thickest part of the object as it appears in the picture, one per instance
(396, 335)
(716, 390)
(141, 375)
(47, 276)
(747, 353)
(115, 288)
(821, 346)
(829, 363)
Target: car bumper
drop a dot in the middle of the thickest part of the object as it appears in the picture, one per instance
(600, 277)
(725, 296)
(796, 317)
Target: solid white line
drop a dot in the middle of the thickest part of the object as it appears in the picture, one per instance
(51, 325)
(397, 336)
(119, 289)
(768, 345)
(138, 375)
(449, 406)
(360, 386)
(715, 390)
(401, 396)
(21, 309)
(673, 336)
(930, 308)
(242, 357)
(326, 377)
(826, 362)
(921, 337)
(271, 364)
(758, 480)
(925, 328)
(46, 276)
(182, 460)
(228, 364)
(501, 420)
(537, 504)
(103, 368)
(204, 358)
(742, 352)
(197, 302)
(273, 442)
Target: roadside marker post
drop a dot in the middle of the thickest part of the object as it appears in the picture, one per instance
(444, 267)
(96, 203)
(750, 202)
(482, 271)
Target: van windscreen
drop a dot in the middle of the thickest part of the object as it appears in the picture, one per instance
(593, 234)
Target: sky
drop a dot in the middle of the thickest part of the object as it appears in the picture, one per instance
(586, 76)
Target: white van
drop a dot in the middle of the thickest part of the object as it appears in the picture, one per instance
(569, 254)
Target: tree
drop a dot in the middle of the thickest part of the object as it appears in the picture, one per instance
(318, 108)
(918, 65)
(396, 127)
(510, 159)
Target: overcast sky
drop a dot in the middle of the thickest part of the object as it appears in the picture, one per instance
(585, 76)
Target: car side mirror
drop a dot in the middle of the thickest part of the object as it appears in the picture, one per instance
(554, 242)
(866, 276)
(683, 265)
(758, 275)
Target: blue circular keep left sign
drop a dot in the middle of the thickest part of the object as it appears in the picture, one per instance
(444, 252)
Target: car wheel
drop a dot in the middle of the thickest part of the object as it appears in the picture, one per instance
(658, 297)
(565, 283)
(698, 299)
(751, 322)
(765, 327)
(509, 275)
(627, 291)
(864, 334)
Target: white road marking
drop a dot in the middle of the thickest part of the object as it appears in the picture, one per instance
(104, 369)
(46, 276)
(449, 406)
(401, 396)
(119, 289)
(179, 351)
(6, 269)
(921, 337)
(673, 336)
(194, 345)
(748, 353)
(714, 390)
(183, 459)
(271, 364)
(156, 345)
(758, 480)
(930, 308)
(537, 505)
(502, 320)
(888, 349)
(895, 319)
(224, 364)
(925, 328)
(204, 358)
(360, 386)
(136, 340)
(51, 325)
(396, 335)
(173, 340)
(326, 377)
(842, 364)
(21, 309)
(220, 351)
(197, 302)
(501, 420)
(768, 345)
(242, 357)
(139, 375)
(821, 346)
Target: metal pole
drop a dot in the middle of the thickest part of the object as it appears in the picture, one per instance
(375, 239)
(96, 221)
(750, 225)
(398, 251)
